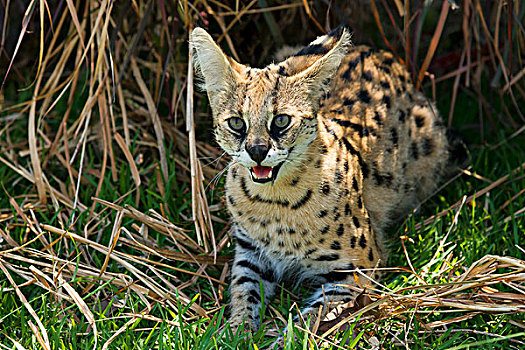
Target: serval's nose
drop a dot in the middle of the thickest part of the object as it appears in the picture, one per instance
(257, 151)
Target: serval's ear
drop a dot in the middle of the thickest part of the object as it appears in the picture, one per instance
(218, 71)
(315, 64)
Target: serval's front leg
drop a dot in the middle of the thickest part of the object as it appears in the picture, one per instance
(250, 270)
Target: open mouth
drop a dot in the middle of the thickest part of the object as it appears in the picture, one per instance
(264, 174)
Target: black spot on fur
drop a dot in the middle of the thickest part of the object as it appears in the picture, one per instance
(364, 96)
(353, 151)
(362, 131)
(402, 116)
(309, 252)
(427, 146)
(294, 181)
(255, 294)
(337, 216)
(394, 137)
(325, 188)
(353, 63)
(249, 265)
(386, 101)
(362, 241)
(338, 275)
(385, 85)
(420, 121)
(346, 167)
(370, 255)
(259, 199)
(245, 244)
(367, 76)
(348, 102)
(356, 222)
(328, 257)
(266, 274)
(303, 200)
(245, 279)
(360, 202)
(352, 242)
(382, 179)
(354, 184)
(338, 177)
(335, 245)
(322, 214)
(340, 230)
(378, 119)
(325, 229)
(348, 211)
(282, 71)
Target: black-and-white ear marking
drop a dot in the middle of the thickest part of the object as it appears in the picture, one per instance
(327, 50)
(316, 63)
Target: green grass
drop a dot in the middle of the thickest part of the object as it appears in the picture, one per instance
(492, 224)
(486, 225)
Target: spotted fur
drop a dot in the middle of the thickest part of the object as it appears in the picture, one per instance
(362, 148)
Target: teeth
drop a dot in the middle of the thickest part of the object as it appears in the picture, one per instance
(270, 174)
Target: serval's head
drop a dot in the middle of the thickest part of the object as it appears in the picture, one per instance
(266, 119)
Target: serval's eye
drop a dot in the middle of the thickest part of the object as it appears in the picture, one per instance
(281, 121)
(236, 124)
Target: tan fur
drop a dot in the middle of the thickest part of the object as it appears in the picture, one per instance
(353, 159)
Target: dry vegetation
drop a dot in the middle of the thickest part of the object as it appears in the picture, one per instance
(111, 185)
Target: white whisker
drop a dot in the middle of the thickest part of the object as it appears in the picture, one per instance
(217, 177)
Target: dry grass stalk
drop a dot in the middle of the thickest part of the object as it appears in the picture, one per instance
(433, 43)
(154, 117)
(39, 332)
(83, 307)
(159, 292)
(200, 210)
(472, 292)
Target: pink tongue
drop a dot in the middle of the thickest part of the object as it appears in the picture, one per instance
(262, 171)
